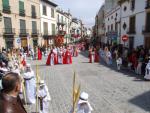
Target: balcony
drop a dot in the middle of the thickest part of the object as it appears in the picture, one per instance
(131, 31)
(61, 32)
(146, 30)
(35, 32)
(147, 4)
(61, 22)
(24, 32)
(9, 31)
(46, 34)
(6, 9)
(33, 14)
(21, 12)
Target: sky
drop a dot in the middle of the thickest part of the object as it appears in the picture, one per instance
(85, 10)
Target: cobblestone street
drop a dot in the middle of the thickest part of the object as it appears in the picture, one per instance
(109, 91)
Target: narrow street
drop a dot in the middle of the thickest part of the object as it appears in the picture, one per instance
(109, 91)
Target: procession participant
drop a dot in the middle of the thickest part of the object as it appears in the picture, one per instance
(30, 85)
(83, 104)
(44, 97)
(39, 54)
(60, 56)
(96, 56)
(139, 66)
(119, 62)
(23, 61)
(55, 55)
(51, 60)
(68, 57)
(147, 73)
(3, 67)
(31, 51)
(10, 101)
(91, 55)
(16, 69)
(108, 56)
(46, 52)
(101, 53)
(64, 51)
(75, 54)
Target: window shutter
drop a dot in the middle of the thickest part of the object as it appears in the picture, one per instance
(6, 2)
(53, 29)
(21, 5)
(34, 27)
(7, 22)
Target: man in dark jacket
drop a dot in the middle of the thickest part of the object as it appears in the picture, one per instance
(9, 96)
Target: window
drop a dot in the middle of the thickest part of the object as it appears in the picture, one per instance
(44, 10)
(116, 27)
(21, 8)
(148, 22)
(132, 5)
(53, 29)
(22, 26)
(45, 27)
(108, 29)
(132, 24)
(58, 18)
(111, 17)
(34, 27)
(8, 25)
(6, 7)
(62, 19)
(52, 13)
(111, 27)
(33, 11)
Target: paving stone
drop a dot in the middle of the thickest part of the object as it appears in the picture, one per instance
(109, 91)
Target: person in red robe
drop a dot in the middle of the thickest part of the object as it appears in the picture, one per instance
(51, 60)
(23, 61)
(64, 61)
(75, 52)
(96, 56)
(68, 57)
(39, 54)
(91, 55)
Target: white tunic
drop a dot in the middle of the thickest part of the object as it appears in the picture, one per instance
(44, 93)
(30, 85)
(52, 59)
(86, 108)
(60, 57)
(147, 73)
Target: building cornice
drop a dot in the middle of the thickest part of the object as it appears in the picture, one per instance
(50, 3)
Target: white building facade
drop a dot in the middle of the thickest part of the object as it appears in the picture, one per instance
(64, 25)
(133, 18)
(112, 26)
(48, 22)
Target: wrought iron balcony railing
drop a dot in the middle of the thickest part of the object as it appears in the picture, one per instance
(21, 12)
(35, 32)
(24, 32)
(33, 14)
(6, 9)
(9, 31)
